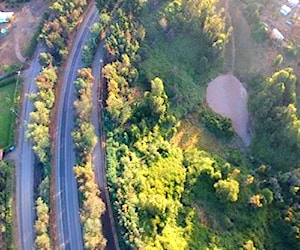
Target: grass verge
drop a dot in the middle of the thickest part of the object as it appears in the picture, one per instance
(7, 110)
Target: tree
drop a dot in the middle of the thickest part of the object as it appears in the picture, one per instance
(42, 240)
(276, 122)
(256, 200)
(227, 190)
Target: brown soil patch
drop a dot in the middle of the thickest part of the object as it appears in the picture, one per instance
(227, 96)
(20, 29)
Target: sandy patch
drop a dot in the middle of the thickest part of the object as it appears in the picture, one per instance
(227, 96)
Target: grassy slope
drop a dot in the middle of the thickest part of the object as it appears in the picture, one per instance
(6, 116)
(175, 59)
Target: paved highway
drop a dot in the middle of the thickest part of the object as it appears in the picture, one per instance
(67, 204)
(25, 163)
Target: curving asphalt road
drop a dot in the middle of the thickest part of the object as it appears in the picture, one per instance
(25, 163)
(67, 204)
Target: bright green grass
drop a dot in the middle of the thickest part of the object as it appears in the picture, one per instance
(6, 115)
(176, 63)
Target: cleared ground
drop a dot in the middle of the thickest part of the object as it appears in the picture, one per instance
(250, 57)
(226, 96)
(20, 30)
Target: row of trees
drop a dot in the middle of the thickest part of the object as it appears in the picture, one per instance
(55, 33)
(91, 46)
(38, 131)
(6, 205)
(58, 29)
(92, 207)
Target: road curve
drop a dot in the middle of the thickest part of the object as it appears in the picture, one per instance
(98, 157)
(25, 163)
(66, 198)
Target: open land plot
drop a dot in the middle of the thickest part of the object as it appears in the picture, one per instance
(227, 96)
(6, 117)
(191, 135)
(288, 25)
(20, 30)
(250, 57)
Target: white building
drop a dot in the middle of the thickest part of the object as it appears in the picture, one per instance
(276, 35)
(5, 16)
(293, 3)
(285, 10)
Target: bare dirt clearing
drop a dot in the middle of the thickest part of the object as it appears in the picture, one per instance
(20, 30)
(227, 96)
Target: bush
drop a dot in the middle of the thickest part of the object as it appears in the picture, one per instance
(220, 126)
(7, 81)
(289, 51)
(260, 33)
(227, 190)
(278, 60)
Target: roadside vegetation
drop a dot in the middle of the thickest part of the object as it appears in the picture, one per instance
(6, 204)
(10, 83)
(8, 98)
(55, 34)
(171, 197)
(90, 48)
(92, 207)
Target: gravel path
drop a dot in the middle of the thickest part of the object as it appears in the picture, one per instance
(227, 96)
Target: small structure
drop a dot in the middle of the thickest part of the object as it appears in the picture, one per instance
(293, 3)
(289, 22)
(3, 31)
(5, 16)
(285, 10)
(1, 154)
(276, 35)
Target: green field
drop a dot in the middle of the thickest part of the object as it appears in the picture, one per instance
(6, 115)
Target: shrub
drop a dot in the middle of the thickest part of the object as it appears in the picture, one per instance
(227, 190)
(278, 60)
(289, 51)
(220, 126)
(260, 33)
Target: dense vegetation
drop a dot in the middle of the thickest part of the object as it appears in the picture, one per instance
(92, 44)
(6, 205)
(166, 197)
(276, 123)
(220, 126)
(276, 140)
(58, 29)
(92, 207)
(55, 34)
